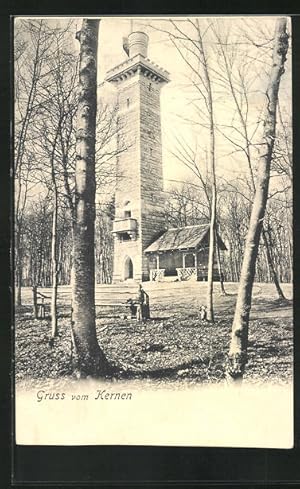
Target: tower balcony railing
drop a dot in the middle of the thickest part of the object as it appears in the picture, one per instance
(124, 225)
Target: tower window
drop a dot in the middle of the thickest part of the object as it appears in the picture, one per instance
(124, 237)
(128, 102)
(127, 209)
(150, 87)
(151, 152)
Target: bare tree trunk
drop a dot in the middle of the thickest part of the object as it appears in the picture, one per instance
(18, 266)
(290, 247)
(269, 257)
(239, 340)
(54, 251)
(223, 291)
(21, 140)
(54, 264)
(35, 306)
(273, 273)
(90, 358)
(211, 253)
(213, 205)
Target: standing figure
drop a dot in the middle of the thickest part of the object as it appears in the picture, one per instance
(203, 313)
(142, 301)
(139, 306)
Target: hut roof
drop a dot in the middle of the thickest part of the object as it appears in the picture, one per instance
(188, 237)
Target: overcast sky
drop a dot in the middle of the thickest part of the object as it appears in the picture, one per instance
(177, 97)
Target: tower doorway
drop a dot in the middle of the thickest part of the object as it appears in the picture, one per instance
(128, 269)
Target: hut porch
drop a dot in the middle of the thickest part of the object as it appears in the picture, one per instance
(182, 254)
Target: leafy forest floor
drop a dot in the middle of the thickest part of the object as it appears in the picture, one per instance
(173, 346)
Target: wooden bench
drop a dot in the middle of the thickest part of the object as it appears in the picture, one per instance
(121, 298)
(137, 311)
(124, 297)
(39, 306)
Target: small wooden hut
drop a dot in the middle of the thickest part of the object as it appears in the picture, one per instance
(182, 253)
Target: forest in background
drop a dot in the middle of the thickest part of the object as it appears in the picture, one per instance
(46, 70)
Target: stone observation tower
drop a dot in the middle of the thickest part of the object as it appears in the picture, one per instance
(139, 198)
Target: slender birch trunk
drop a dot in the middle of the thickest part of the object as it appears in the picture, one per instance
(270, 261)
(34, 299)
(54, 263)
(19, 268)
(89, 357)
(211, 255)
(213, 205)
(239, 340)
(222, 288)
(54, 251)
